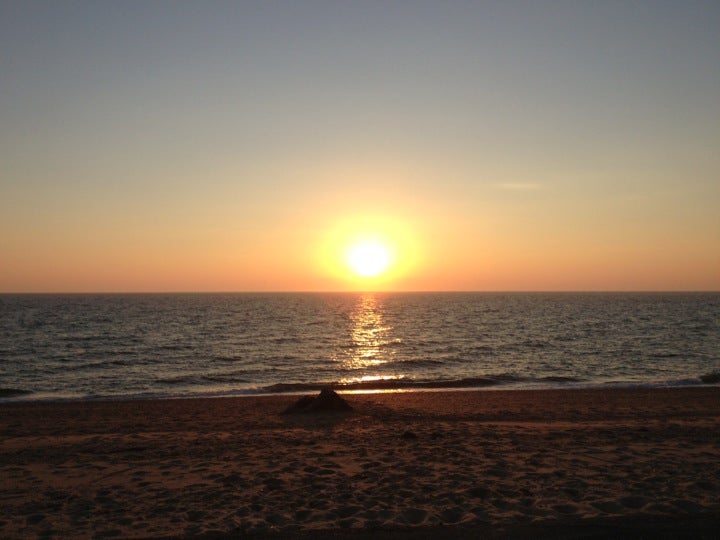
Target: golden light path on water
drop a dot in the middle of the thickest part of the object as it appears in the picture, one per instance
(369, 335)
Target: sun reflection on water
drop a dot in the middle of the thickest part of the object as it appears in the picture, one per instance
(369, 335)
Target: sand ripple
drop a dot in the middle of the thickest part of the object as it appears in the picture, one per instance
(188, 467)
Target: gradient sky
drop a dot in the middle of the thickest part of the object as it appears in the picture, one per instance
(237, 146)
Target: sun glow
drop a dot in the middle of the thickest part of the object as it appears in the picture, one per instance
(369, 258)
(368, 252)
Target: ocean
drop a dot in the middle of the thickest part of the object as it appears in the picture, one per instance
(116, 346)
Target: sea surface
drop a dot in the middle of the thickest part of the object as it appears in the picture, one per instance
(88, 346)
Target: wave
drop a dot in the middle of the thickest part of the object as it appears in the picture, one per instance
(426, 362)
(81, 339)
(561, 379)
(711, 378)
(183, 383)
(394, 384)
(69, 364)
(13, 392)
(172, 347)
(200, 378)
(510, 379)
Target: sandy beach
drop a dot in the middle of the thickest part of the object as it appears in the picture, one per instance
(567, 463)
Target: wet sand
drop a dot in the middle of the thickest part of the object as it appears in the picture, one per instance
(553, 464)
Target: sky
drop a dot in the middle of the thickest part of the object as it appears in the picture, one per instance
(247, 146)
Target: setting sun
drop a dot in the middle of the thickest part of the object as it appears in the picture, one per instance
(363, 252)
(369, 259)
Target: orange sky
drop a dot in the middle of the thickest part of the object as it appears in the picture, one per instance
(494, 147)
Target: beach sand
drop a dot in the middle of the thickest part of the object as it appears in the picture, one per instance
(565, 464)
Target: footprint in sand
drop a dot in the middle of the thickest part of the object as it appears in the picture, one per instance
(688, 506)
(347, 511)
(565, 508)
(303, 515)
(451, 516)
(633, 502)
(609, 507)
(415, 516)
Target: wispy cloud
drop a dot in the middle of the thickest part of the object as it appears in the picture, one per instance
(519, 186)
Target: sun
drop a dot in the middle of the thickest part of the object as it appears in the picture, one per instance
(367, 251)
(369, 258)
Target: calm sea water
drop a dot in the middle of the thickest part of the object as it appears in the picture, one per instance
(162, 345)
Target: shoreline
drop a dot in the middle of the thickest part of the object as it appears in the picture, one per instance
(406, 463)
(487, 384)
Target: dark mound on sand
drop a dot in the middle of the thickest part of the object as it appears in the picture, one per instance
(327, 401)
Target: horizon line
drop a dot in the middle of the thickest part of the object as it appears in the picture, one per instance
(381, 291)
